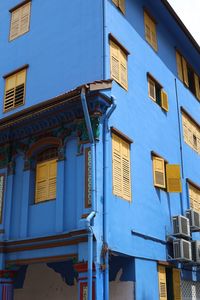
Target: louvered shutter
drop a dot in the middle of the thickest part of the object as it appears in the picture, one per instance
(150, 31)
(179, 66)
(159, 172)
(164, 101)
(125, 150)
(115, 63)
(122, 6)
(152, 89)
(123, 70)
(9, 96)
(197, 85)
(162, 283)
(20, 87)
(185, 72)
(25, 18)
(52, 179)
(173, 174)
(194, 195)
(15, 24)
(177, 284)
(41, 192)
(117, 165)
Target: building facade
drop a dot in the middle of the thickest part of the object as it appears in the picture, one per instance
(99, 156)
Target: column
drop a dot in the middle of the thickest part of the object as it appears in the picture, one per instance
(60, 190)
(82, 268)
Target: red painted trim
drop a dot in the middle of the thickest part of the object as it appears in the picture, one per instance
(85, 278)
(7, 274)
(82, 267)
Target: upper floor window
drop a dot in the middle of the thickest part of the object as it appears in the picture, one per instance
(118, 64)
(191, 132)
(194, 195)
(20, 20)
(150, 31)
(166, 176)
(46, 173)
(187, 75)
(120, 4)
(15, 86)
(156, 93)
(121, 166)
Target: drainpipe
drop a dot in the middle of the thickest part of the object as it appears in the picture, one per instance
(104, 39)
(105, 198)
(93, 205)
(180, 143)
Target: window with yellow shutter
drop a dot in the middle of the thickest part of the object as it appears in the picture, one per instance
(150, 31)
(166, 176)
(46, 173)
(118, 64)
(20, 20)
(120, 4)
(15, 85)
(156, 93)
(162, 283)
(121, 166)
(191, 132)
(194, 196)
(187, 75)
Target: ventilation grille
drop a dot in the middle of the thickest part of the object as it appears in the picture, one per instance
(181, 226)
(194, 218)
(182, 250)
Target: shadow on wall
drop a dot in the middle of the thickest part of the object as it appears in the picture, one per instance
(42, 282)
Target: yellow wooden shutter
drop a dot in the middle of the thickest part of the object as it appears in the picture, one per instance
(177, 284)
(173, 174)
(179, 66)
(123, 70)
(46, 173)
(197, 85)
(126, 174)
(150, 31)
(159, 172)
(152, 89)
(164, 101)
(117, 165)
(20, 87)
(41, 192)
(122, 6)
(15, 24)
(25, 18)
(162, 283)
(185, 72)
(52, 179)
(115, 61)
(9, 92)
(194, 195)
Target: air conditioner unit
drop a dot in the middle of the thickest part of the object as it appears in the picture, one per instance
(181, 226)
(182, 250)
(196, 251)
(194, 218)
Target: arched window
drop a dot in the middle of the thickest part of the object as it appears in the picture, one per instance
(46, 173)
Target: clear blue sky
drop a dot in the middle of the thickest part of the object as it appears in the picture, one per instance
(189, 12)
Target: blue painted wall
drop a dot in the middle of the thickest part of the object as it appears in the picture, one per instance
(63, 48)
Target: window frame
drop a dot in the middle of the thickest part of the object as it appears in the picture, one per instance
(183, 68)
(171, 173)
(38, 163)
(19, 7)
(120, 4)
(150, 22)
(191, 185)
(14, 75)
(122, 189)
(120, 54)
(160, 96)
(190, 127)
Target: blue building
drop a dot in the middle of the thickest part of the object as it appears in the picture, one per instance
(99, 156)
